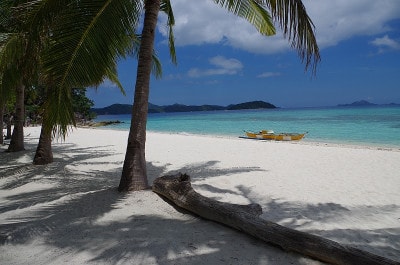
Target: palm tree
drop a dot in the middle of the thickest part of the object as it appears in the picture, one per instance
(78, 53)
(82, 53)
(12, 78)
(134, 169)
(106, 39)
(96, 40)
(18, 59)
(291, 17)
(134, 175)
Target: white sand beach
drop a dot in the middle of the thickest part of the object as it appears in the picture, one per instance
(69, 212)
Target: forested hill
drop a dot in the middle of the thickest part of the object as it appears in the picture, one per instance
(364, 103)
(116, 109)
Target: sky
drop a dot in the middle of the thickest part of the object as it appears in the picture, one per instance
(223, 60)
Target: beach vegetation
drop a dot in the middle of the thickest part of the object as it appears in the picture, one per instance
(77, 44)
(15, 55)
(66, 44)
(75, 55)
(82, 105)
(292, 18)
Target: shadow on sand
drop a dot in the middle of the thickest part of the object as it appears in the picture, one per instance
(77, 212)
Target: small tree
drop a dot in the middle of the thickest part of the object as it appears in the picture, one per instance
(81, 104)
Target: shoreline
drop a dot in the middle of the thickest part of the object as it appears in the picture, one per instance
(304, 141)
(70, 211)
(352, 126)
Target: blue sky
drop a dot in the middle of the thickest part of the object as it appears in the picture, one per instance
(223, 60)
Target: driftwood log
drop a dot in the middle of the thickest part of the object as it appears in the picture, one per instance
(246, 218)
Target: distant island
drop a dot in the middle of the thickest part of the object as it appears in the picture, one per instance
(117, 109)
(360, 103)
(364, 103)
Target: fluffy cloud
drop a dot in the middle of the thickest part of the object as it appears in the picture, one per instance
(338, 20)
(223, 66)
(386, 43)
(199, 22)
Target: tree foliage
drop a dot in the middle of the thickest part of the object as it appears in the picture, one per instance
(81, 104)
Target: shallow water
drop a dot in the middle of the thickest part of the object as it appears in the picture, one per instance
(375, 126)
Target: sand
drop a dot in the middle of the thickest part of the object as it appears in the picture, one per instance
(69, 212)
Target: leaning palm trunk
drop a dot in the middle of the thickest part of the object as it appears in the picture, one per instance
(17, 138)
(134, 175)
(44, 154)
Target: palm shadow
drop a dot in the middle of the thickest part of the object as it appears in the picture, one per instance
(78, 210)
(383, 241)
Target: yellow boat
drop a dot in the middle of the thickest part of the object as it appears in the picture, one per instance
(270, 135)
(289, 136)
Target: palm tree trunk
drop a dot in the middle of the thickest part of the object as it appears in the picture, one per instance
(1, 124)
(8, 125)
(44, 154)
(17, 138)
(134, 175)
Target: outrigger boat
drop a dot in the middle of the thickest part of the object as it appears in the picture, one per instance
(271, 135)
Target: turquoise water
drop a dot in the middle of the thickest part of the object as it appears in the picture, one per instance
(378, 126)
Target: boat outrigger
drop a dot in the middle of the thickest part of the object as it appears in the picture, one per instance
(271, 135)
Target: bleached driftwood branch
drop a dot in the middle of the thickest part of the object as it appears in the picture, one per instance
(246, 218)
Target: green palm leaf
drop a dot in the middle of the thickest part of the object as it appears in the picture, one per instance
(290, 15)
(253, 12)
(11, 49)
(167, 9)
(85, 40)
(156, 64)
(298, 28)
(88, 39)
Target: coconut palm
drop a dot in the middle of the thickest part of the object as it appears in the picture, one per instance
(62, 73)
(93, 50)
(134, 175)
(76, 53)
(289, 14)
(14, 55)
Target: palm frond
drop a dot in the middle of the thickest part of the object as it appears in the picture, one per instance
(291, 16)
(12, 48)
(156, 64)
(7, 21)
(8, 81)
(85, 40)
(58, 112)
(167, 9)
(82, 49)
(114, 78)
(156, 67)
(252, 11)
(298, 27)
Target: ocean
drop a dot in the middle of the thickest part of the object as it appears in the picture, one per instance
(372, 126)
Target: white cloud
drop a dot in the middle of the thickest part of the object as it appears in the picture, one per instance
(386, 43)
(268, 74)
(230, 65)
(223, 65)
(107, 83)
(338, 20)
(202, 21)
